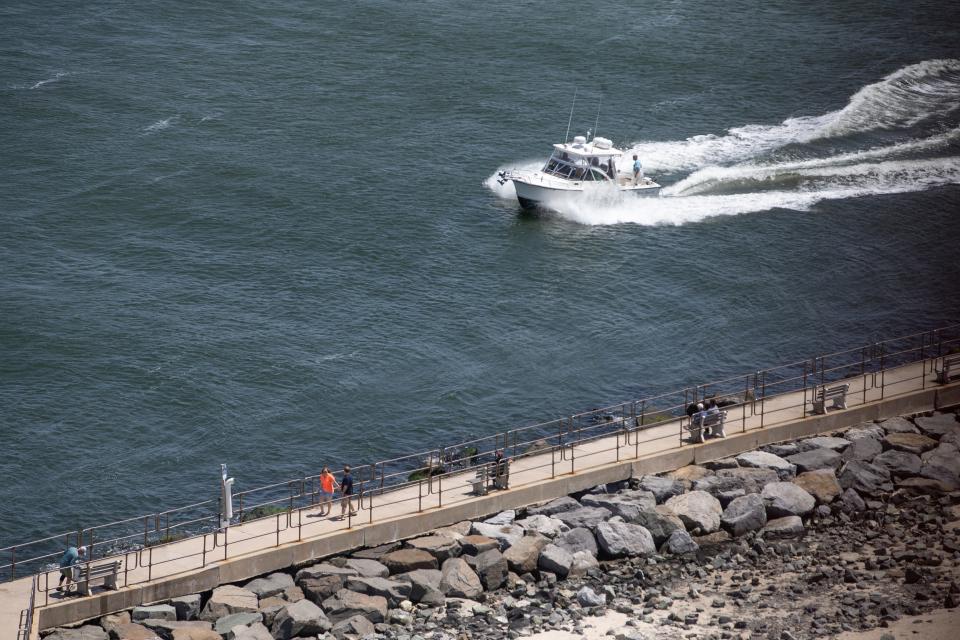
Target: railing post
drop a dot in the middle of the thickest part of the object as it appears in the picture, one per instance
(420, 497)
(203, 557)
(370, 506)
(278, 528)
(440, 490)
(553, 462)
(573, 468)
(13, 562)
(883, 372)
(763, 395)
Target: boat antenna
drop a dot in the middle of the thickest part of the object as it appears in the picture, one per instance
(567, 137)
(596, 124)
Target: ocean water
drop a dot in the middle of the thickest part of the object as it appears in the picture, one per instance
(269, 234)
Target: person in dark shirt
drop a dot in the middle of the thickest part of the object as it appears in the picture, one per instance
(71, 557)
(346, 490)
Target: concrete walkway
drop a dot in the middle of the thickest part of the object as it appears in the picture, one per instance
(159, 562)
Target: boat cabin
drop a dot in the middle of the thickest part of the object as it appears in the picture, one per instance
(594, 161)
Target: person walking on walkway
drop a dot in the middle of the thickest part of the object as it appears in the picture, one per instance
(72, 556)
(328, 484)
(346, 491)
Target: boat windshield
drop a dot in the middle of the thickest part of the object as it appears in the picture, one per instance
(563, 165)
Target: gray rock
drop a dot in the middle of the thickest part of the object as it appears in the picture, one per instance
(788, 527)
(851, 502)
(762, 460)
(661, 523)
(909, 442)
(554, 507)
(225, 626)
(395, 591)
(621, 539)
(301, 618)
(374, 553)
(723, 463)
(556, 560)
(744, 514)
(865, 430)
(898, 425)
(325, 569)
(816, 459)
(271, 585)
(491, 567)
(505, 535)
(502, 518)
(938, 425)
(270, 607)
(588, 517)
(354, 627)
(680, 543)
(946, 478)
(822, 484)
(579, 539)
(587, 597)
(86, 632)
(946, 455)
(256, 631)
(544, 525)
(626, 504)
(581, 563)
(864, 477)
(368, 568)
(697, 510)
(440, 547)
(826, 442)
(662, 488)
(346, 604)
(899, 463)
(155, 612)
(187, 607)
(865, 449)
(424, 584)
(458, 580)
(320, 588)
(166, 628)
(475, 545)
(751, 480)
(522, 556)
(787, 499)
(783, 449)
(404, 560)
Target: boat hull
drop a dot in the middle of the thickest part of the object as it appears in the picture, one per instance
(538, 196)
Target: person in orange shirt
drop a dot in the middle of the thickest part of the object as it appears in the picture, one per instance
(328, 484)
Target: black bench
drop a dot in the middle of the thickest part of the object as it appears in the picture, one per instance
(837, 395)
(705, 423)
(949, 369)
(87, 573)
(491, 476)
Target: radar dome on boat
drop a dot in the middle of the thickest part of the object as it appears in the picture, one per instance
(579, 141)
(602, 143)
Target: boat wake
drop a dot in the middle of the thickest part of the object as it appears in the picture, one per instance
(904, 132)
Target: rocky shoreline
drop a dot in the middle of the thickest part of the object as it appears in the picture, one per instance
(812, 538)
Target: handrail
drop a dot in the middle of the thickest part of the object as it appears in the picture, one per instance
(560, 437)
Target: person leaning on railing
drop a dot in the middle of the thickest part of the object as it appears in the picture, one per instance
(71, 558)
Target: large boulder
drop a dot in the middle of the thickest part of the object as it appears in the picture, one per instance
(587, 517)
(825, 442)
(256, 631)
(271, 585)
(544, 525)
(491, 567)
(587, 597)
(751, 479)
(522, 556)
(345, 604)
(899, 463)
(622, 539)
(579, 539)
(938, 425)
(822, 484)
(851, 502)
(367, 568)
(226, 600)
(227, 625)
(814, 459)
(581, 563)
(374, 553)
(864, 477)
(865, 448)
(424, 584)
(660, 522)
(688, 475)
(354, 627)
(763, 460)
(566, 503)
(910, 442)
(440, 547)
(626, 504)
(788, 527)
(662, 488)
(132, 631)
(319, 588)
(170, 629)
(297, 619)
(865, 430)
(680, 543)
(395, 591)
(505, 535)
(744, 514)
(404, 560)
(206, 634)
(475, 545)
(947, 479)
(556, 560)
(270, 607)
(898, 425)
(187, 607)
(458, 580)
(504, 517)
(697, 510)
(86, 632)
(325, 569)
(157, 612)
(786, 499)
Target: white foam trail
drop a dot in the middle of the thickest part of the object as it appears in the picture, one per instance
(160, 125)
(826, 183)
(506, 191)
(55, 78)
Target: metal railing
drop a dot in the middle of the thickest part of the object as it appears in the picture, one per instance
(25, 627)
(191, 536)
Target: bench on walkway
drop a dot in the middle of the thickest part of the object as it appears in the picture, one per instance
(491, 476)
(107, 572)
(949, 369)
(837, 395)
(705, 423)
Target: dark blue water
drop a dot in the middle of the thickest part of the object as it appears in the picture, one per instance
(266, 234)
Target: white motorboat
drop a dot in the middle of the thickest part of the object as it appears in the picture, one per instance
(575, 169)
